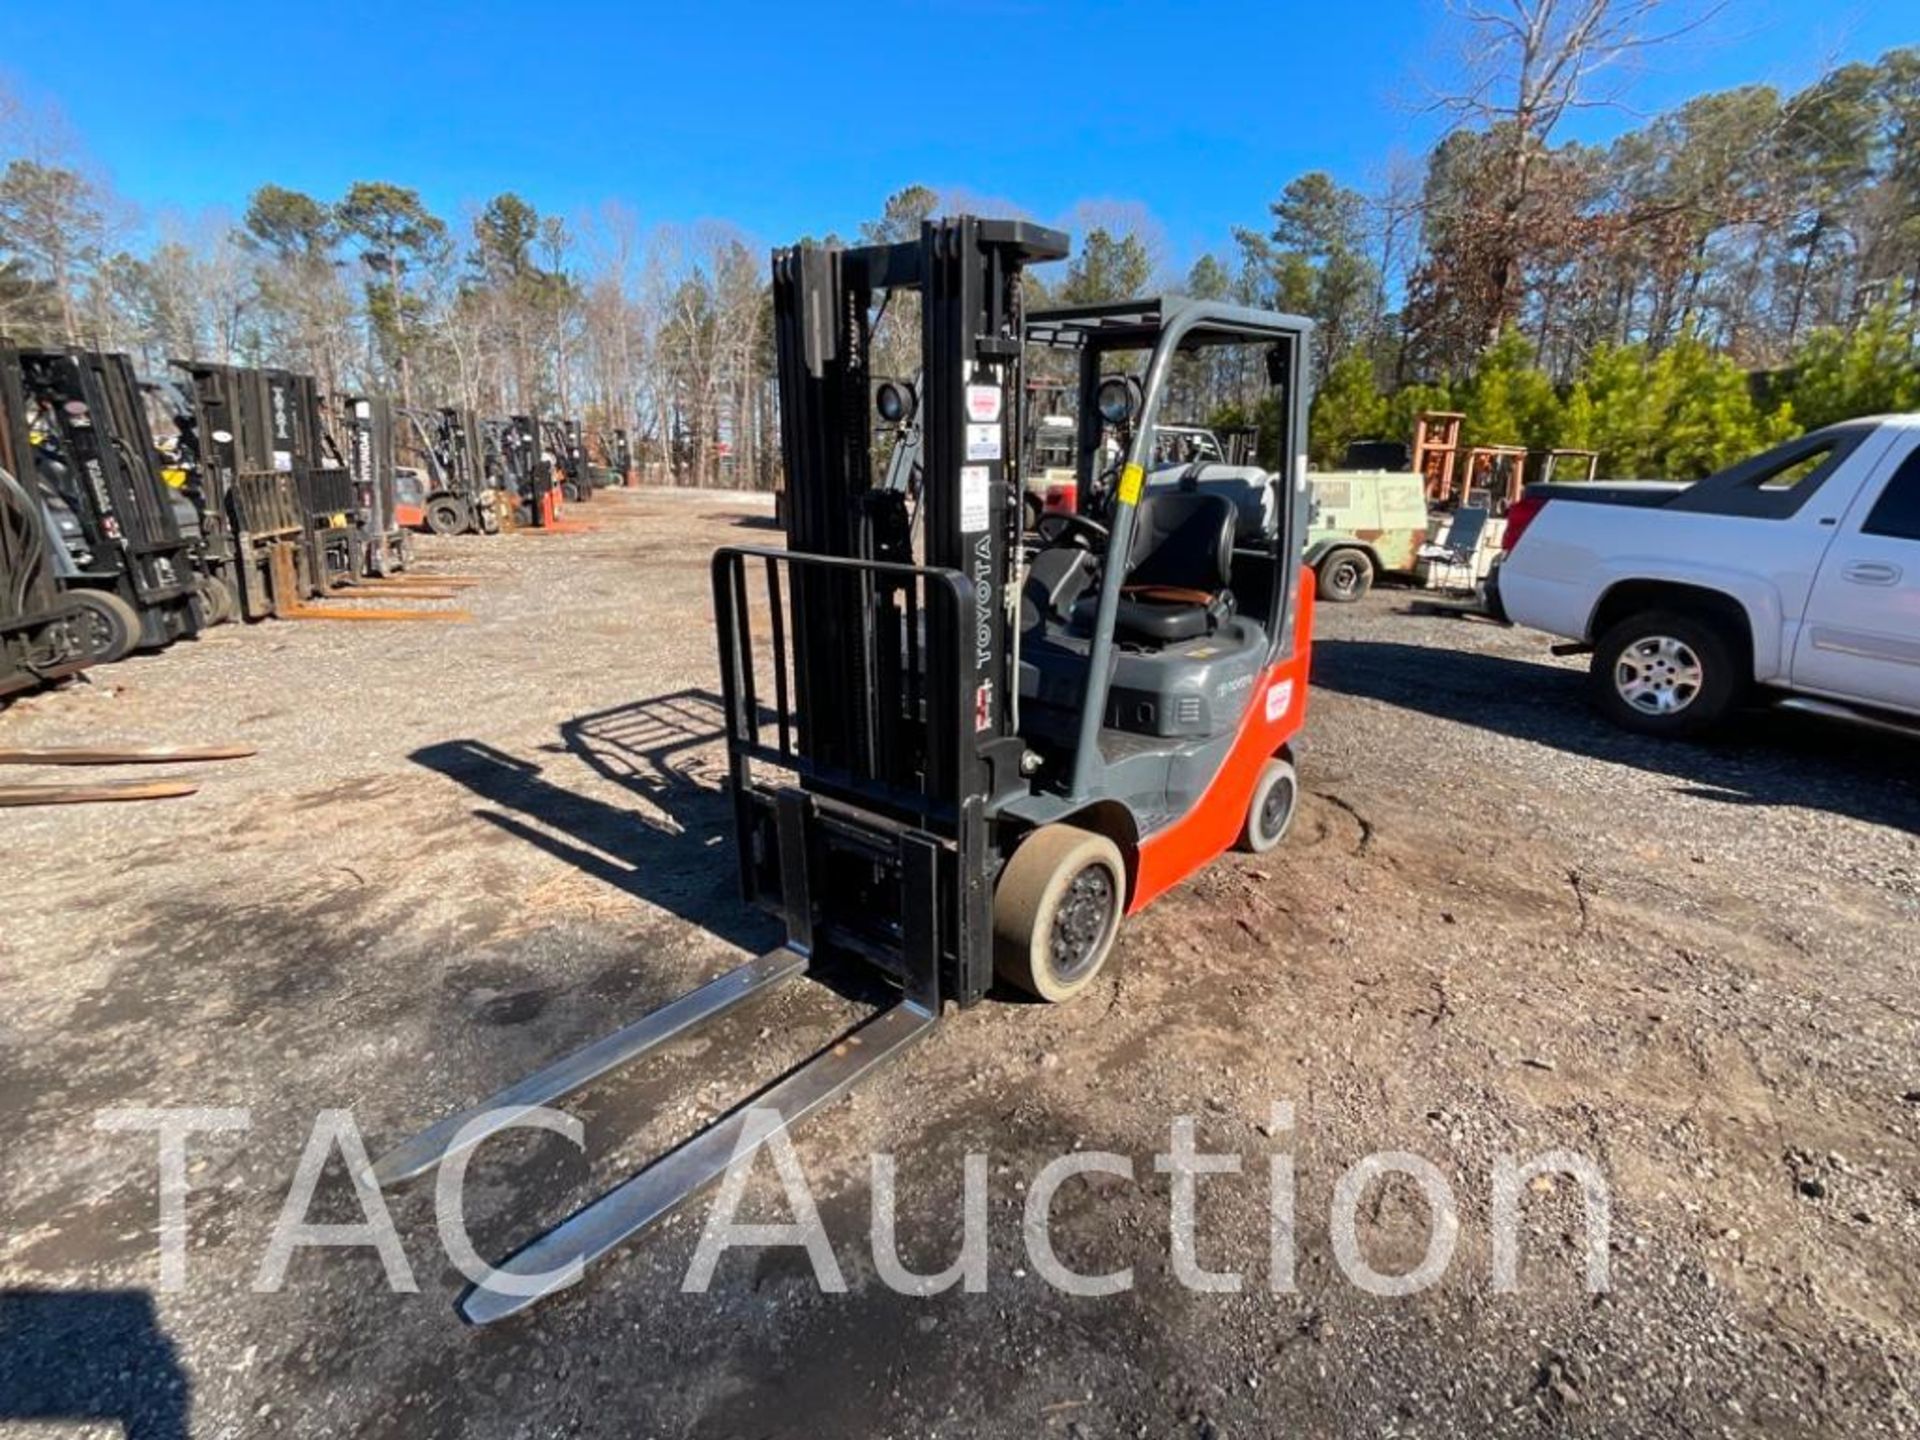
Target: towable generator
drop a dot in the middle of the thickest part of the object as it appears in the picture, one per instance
(96, 463)
(966, 761)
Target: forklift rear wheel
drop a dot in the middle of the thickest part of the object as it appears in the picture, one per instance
(1344, 576)
(446, 517)
(1057, 910)
(570, 492)
(108, 626)
(1270, 811)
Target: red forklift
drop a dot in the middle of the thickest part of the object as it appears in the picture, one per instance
(959, 759)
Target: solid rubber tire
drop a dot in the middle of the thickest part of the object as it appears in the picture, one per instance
(1027, 896)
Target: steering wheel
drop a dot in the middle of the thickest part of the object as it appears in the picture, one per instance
(1075, 530)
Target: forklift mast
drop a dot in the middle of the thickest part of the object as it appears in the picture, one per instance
(368, 422)
(531, 477)
(898, 725)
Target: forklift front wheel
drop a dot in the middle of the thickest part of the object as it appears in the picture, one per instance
(216, 600)
(1270, 811)
(1057, 910)
(109, 627)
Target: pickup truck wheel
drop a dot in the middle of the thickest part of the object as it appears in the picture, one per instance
(1344, 576)
(1664, 673)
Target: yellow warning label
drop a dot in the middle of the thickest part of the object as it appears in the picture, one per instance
(1132, 479)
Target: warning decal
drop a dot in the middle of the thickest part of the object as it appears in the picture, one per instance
(975, 490)
(983, 403)
(1278, 699)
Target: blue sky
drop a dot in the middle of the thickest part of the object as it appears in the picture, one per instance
(800, 118)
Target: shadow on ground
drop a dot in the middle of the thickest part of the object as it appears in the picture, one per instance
(683, 863)
(70, 1357)
(1762, 758)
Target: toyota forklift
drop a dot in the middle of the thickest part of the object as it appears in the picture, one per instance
(959, 761)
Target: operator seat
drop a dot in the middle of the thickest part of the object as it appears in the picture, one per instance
(1178, 569)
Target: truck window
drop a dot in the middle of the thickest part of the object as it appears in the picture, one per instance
(1795, 471)
(1897, 512)
(1777, 484)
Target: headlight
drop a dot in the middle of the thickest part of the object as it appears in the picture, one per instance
(1116, 400)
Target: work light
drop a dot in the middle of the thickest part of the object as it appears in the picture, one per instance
(894, 401)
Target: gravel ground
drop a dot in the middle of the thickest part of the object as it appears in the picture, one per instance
(1498, 928)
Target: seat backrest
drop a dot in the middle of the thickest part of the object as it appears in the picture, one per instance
(1183, 539)
(1250, 488)
(1468, 525)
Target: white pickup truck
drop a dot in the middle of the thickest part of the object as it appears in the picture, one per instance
(1794, 576)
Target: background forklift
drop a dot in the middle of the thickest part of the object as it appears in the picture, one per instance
(386, 544)
(462, 496)
(249, 506)
(620, 457)
(46, 633)
(567, 444)
(86, 422)
(241, 440)
(953, 761)
(530, 471)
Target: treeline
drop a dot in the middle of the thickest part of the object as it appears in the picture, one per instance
(1740, 269)
(505, 309)
(1736, 270)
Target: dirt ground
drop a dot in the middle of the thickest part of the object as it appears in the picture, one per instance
(1498, 928)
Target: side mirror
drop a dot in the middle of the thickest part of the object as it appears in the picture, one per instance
(1116, 399)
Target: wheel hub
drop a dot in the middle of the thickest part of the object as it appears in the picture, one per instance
(1274, 808)
(1081, 921)
(1659, 675)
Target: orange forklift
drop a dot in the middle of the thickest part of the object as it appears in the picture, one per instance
(960, 756)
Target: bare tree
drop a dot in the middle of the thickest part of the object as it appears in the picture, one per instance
(1527, 64)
